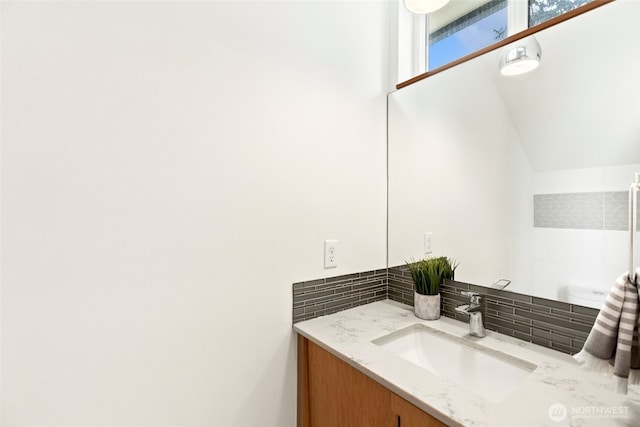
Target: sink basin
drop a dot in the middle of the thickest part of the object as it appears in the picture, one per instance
(486, 372)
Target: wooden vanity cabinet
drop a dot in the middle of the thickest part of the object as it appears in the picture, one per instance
(409, 415)
(331, 393)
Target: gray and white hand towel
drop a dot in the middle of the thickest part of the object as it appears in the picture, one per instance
(613, 343)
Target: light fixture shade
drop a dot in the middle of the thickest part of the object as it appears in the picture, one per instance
(520, 57)
(424, 6)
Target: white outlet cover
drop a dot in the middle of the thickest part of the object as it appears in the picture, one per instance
(330, 253)
(427, 243)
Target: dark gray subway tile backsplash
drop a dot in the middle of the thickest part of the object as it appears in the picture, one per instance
(557, 325)
(325, 296)
(400, 285)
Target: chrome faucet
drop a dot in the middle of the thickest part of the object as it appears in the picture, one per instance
(475, 310)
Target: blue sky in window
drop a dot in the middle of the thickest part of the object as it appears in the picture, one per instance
(467, 40)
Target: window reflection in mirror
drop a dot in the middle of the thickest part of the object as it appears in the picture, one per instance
(463, 27)
(467, 33)
(543, 10)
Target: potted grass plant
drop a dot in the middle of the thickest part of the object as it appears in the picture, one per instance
(428, 274)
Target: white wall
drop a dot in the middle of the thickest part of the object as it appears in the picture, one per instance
(569, 133)
(168, 170)
(456, 169)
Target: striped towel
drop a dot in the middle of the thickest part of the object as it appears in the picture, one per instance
(612, 345)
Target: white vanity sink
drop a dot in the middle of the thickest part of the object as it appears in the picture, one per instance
(488, 373)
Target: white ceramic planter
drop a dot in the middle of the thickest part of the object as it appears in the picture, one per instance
(426, 307)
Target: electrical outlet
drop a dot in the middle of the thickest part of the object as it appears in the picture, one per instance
(330, 253)
(427, 243)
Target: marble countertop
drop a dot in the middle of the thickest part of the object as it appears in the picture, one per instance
(557, 382)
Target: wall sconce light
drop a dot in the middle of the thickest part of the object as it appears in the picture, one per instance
(520, 57)
(424, 6)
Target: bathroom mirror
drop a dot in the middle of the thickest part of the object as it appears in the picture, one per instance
(524, 178)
